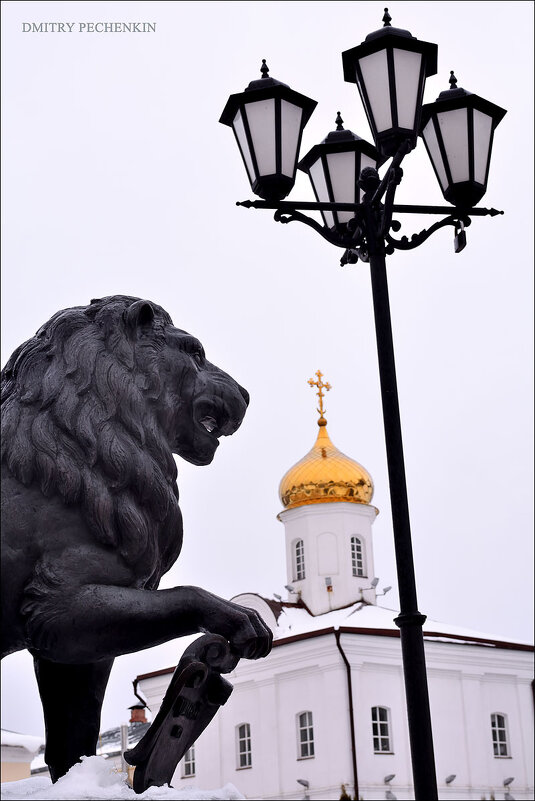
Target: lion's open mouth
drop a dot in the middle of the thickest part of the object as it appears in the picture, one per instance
(213, 417)
(210, 423)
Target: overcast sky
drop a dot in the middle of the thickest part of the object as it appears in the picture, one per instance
(118, 178)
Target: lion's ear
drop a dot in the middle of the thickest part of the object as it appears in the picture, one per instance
(139, 315)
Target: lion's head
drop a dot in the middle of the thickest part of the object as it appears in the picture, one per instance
(94, 405)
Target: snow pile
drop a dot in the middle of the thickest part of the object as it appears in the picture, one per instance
(94, 779)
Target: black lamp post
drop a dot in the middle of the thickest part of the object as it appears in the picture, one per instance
(390, 68)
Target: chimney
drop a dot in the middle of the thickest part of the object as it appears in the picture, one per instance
(137, 714)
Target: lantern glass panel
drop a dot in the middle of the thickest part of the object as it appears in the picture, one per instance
(261, 119)
(407, 67)
(482, 134)
(320, 187)
(365, 161)
(291, 126)
(430, 138)
(342, 173)
(454, 129)
(375, 76)
(239, 130)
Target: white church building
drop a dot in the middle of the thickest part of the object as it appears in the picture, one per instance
(325, 712)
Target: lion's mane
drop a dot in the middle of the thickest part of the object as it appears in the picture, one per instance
(79, 418)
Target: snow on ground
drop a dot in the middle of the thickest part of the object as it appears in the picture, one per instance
(94, 779)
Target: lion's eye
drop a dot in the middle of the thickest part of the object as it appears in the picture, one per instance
(194, 349)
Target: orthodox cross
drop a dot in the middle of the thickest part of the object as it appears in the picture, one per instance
(321, 386)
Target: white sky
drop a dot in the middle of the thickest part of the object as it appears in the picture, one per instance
(118, 178)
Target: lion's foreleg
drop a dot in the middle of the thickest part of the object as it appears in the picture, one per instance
(72, 698)
(100, 622)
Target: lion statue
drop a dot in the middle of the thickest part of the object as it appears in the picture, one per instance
(93, 408)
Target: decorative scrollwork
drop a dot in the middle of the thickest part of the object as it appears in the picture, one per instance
(332, 236)
(417, 239)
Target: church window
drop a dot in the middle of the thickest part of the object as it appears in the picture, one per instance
(381, 730)
(299, 560)
(357, 557)
(499, 735)
(188, 766)
(305, 735)
(243, 741)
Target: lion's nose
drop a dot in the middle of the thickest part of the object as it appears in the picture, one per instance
(244, 394)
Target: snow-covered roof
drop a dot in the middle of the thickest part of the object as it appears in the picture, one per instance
(294, 621)
(28, 741)
(110, 741)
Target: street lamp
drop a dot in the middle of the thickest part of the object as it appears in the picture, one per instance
(457, 131)
(389, 68)
(268, 120)
(334, 168)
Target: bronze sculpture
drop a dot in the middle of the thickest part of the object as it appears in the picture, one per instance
(93, 408)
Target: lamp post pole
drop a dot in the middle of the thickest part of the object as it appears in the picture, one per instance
(410, 621)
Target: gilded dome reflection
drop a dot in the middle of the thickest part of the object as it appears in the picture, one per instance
(325, 475)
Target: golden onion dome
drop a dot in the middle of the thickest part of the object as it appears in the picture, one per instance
(325, 474)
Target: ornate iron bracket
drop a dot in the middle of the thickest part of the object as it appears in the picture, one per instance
(417, 239)
(355, 239)
(331, 236)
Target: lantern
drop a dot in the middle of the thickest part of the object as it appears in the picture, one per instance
(268, 120)
(334, 167)
(458, 130)
(390, 68)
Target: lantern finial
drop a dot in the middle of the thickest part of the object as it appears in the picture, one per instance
(387, 19)
(338, 121)
(453, 80)
(264, 69)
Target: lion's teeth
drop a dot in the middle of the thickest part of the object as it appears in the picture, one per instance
(209, 423)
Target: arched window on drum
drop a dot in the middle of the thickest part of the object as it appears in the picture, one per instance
(358, 561)
(299, 560)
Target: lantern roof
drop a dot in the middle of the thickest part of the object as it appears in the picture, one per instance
(387, 30)
(457, 97)
(336, 141)
(387, 35)
(265, 81)
(262, 89)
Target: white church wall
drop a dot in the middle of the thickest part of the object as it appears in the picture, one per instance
(454, 747)
(466, 684)
(377, 680)
(500, 697)
(526, 720)
(301, 677)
